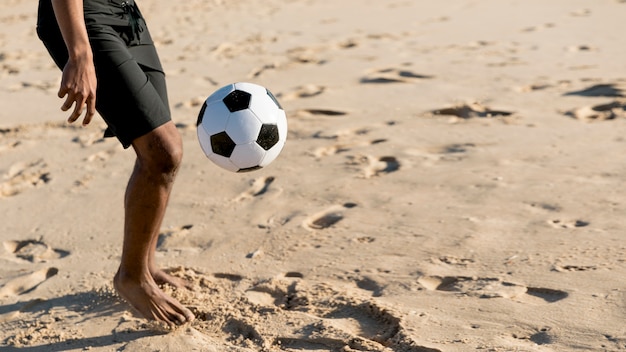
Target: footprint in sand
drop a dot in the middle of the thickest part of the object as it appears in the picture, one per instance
(26, 283)
(193, 103)
(392, 75)
(381, 165)
(22, 176)
(258, 187)
(319, 113)
(179, 238)
(81, 183)
(229, 277)
(570, 268)
(328, 217)
(611, 90)
(344, 147)
(350, 326)
(9, 146)
(101, 156)
(376, 166)
(49, 86)
(468, 111)
(262, 296)
(477, 287)
(546, 294)
(453, 152)
(568, 224)
(454, 260)
(273, 293)
(455, 148)
(306, 91)
(86, 140)
(306, 55)
(544, 207)
(258, 71)
(331, 150)
(368, 284)
(580, 13)
(488, 288)
(602, 112)
(529, 335)
(579, 48)
(538, 27)
(532, 87)
(33, 251)
(328, 320)
(447, 152)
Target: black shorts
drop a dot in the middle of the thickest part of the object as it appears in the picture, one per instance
(131, 95)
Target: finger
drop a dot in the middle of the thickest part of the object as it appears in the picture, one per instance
(62, 91)
(68, 103)
(74, 116)
(87, 119)
(78, 108)
(91, 110)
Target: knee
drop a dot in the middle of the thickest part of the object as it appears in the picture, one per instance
(167, 160)
(161, 157)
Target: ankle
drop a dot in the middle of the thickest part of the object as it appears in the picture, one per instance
(126, 277)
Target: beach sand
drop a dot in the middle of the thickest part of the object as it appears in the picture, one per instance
(453, 180)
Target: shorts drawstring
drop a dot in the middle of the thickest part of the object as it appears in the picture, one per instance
(134, 15)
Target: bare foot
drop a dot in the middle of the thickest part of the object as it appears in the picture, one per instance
(163, 278)
(145, 296)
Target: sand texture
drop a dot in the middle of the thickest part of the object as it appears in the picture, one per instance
(453, 180)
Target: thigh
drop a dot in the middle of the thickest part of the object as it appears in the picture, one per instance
(130, 97)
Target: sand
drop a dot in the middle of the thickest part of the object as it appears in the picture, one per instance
(453, 180)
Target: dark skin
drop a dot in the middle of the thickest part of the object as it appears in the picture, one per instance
(159, 154)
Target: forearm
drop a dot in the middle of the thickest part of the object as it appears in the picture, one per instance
(69, 15)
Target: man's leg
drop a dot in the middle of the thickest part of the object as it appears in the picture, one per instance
(159, 154)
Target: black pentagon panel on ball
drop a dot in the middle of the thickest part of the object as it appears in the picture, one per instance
(201, 114)
(273, 98)
(268, 136)
(222, 144)
(237, 100)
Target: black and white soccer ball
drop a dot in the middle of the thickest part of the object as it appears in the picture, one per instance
(242, 127)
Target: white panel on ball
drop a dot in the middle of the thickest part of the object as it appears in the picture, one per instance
(223, 162)
(247, 155)
(215, 118)
(220, 94)
(253, 89)
(205, 140)
(271, 154)
(243, 126)
(264, 108)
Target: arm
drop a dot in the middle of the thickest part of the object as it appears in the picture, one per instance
(79, 75)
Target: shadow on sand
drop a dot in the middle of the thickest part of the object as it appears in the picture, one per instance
(79, 307)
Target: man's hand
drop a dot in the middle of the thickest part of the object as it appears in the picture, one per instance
(79, 74)
(79, 85)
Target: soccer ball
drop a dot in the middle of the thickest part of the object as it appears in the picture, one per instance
(242, 127)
